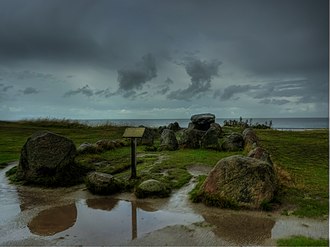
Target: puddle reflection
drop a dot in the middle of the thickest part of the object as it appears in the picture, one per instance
(51, 221)
(241, 229)
(108, 219)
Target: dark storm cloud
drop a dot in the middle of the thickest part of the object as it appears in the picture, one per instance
(85, 90)
(201, 74)
(284, 37)
(134, 78)
(30, 90)
(165, 86)
(6, 88)
(264, 36)
(273, 39)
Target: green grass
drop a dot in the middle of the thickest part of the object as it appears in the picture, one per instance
(304, 155)
(13, 135)
(301, 156)
(302, 241)
(195, 194)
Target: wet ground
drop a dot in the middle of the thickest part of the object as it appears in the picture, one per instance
(73, 216)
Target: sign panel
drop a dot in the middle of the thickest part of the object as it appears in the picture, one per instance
(133, 132)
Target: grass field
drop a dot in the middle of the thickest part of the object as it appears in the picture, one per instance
(302, 241)
(302, 158)
(304, 155)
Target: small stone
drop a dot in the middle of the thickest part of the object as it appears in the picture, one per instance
(152, 188)
(103, 183)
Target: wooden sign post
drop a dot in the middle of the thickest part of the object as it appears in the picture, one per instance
(133, 133)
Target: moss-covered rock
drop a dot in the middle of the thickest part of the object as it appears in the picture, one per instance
(239, 181)
(103, 183)
(48, 159)
(152, 188)
(168, 140)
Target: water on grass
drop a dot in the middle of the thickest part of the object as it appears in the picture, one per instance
(72, 216)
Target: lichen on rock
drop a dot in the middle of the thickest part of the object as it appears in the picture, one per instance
(152, 188)
(239, 181)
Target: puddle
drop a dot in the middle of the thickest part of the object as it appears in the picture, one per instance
(8, 198)
(53, 220)
(73, 216)
(241, 229)
(107, 220)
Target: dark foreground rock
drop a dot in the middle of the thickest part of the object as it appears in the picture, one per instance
(103, 183)
(152, 188)
(239, 181)
(48, 159)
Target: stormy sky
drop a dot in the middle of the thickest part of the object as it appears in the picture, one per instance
(115, 59)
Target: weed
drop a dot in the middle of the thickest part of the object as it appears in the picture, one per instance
(302, 241)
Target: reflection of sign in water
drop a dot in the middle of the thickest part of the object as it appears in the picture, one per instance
(133, 133)
(134, 222)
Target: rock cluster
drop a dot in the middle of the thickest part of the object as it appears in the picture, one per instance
(202, 131)
(100, 146)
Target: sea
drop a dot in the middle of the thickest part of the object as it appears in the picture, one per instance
(294, 124)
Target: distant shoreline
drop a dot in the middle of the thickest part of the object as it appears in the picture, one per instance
(277, 123)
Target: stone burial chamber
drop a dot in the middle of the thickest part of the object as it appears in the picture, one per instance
(202, 132)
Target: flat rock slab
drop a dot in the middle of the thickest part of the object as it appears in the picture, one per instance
(203, 118)
(203, 121)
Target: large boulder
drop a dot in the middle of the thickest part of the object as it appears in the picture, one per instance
(191, 138)
(233, 142)
(168, 140)
(202, 121)
(250, 139)
(239, 181)
(103, 183)
(148, 137)
(211, 138)
(152, 188)
(47, 159)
